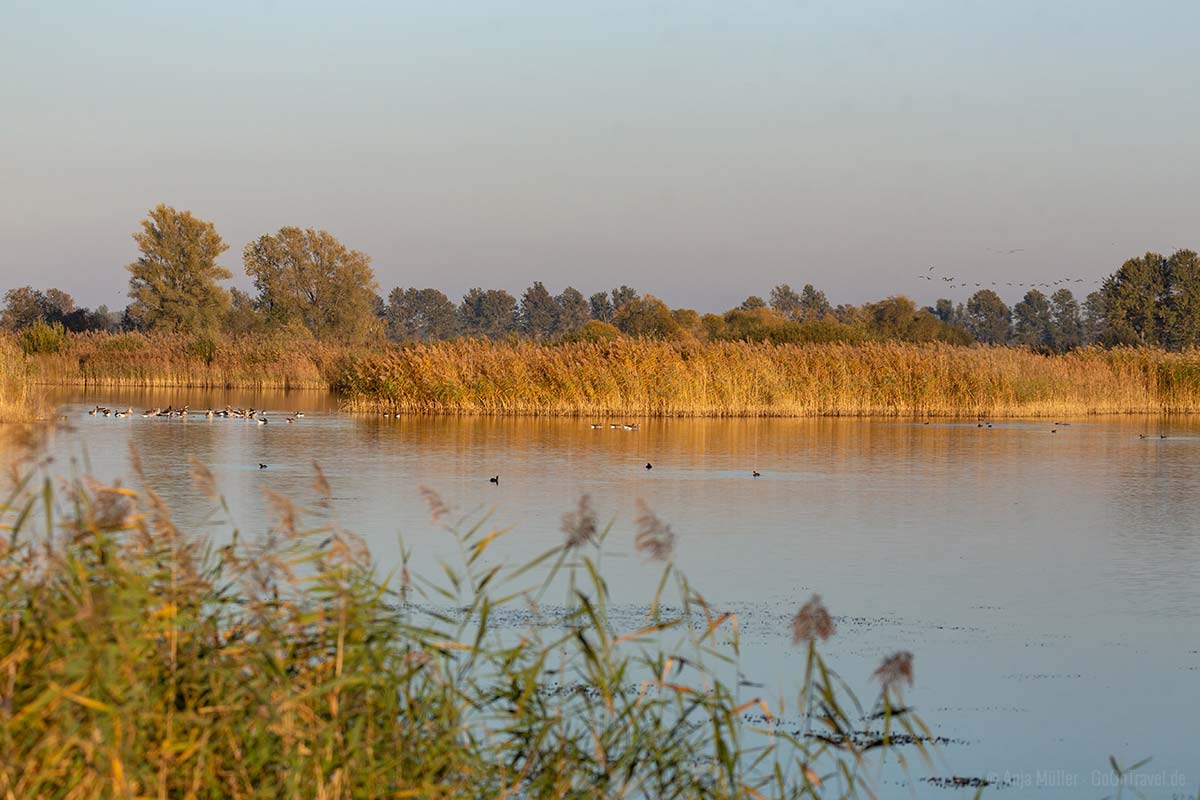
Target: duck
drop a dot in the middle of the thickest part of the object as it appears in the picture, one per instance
(597, 425)
(291, 420)
(94, 411)
(262, 466)
(298, 414)
(633, 427)
(151, 412)
(649, 465)
(755, 473)
(209, 414)
(261, 420)
(495, 479)
(128, 412)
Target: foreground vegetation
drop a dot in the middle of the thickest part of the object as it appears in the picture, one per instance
(140, 660)
(624, 376)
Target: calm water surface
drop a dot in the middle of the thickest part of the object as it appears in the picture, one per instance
(1048, 583)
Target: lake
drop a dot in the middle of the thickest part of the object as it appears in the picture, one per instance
(1044, 576)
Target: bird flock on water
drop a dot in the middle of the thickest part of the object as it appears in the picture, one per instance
(259, 416)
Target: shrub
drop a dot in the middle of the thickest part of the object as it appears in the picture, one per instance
(43, 337)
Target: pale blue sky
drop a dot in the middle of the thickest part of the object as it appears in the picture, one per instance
(698, 150)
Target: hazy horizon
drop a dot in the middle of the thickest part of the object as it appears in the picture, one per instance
(698, 151)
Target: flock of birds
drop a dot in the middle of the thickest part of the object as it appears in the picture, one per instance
(929, 275)
(256, 415)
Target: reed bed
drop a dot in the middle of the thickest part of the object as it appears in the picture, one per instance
(648, 378)
(16, 403)
(162, 361)
(140, 660)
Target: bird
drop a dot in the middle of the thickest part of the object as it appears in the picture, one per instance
(1054, 430)
(632, 427)
(261, 420)
(649, 465)
(262, 466)
(495, 479)
(298, 414)
(597, 425)
(755, 473)
(94, 411)
(291, 420)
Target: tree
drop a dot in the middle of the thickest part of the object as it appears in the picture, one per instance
(489, 313)
(752, 302)
(813, 304)
(988, 318)
(1033, 321)
(173, 283)
(422, 314)
(539, 312)
(647, 316)
(1135, 297)
(1095, 323)
(1066, 325)
(308, 277)
(243, 318)
(601, 307)
(622, 296)
(1181, 315)
(785, 302)
(573, 311)
(23, 307)
(944, 310)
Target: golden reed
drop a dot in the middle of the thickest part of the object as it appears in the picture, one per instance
(632, 377)
(638, 377)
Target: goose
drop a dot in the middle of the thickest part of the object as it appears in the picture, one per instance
(209, 414)
(123, 414)
(183, 412)
(151, 412)
(168, 412)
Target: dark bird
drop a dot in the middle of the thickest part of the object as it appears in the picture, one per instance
(262, 466)
(649, 465)
(1054, 430)
(496, 479)
(1162, 436)
(755, 473)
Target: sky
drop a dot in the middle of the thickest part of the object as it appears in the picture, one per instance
(701, 151)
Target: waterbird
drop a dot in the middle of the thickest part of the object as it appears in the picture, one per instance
(94, 411)
(649, 465)
(597, 425)
(291, 420)
(495, 479)
(261, 420)
(632, 427)
(755, 473)
(262, 466)
(298, 414)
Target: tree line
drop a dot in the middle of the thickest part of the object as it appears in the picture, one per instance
(308, 283)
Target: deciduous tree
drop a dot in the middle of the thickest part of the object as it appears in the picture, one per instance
(173, 282)
(308, 277)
